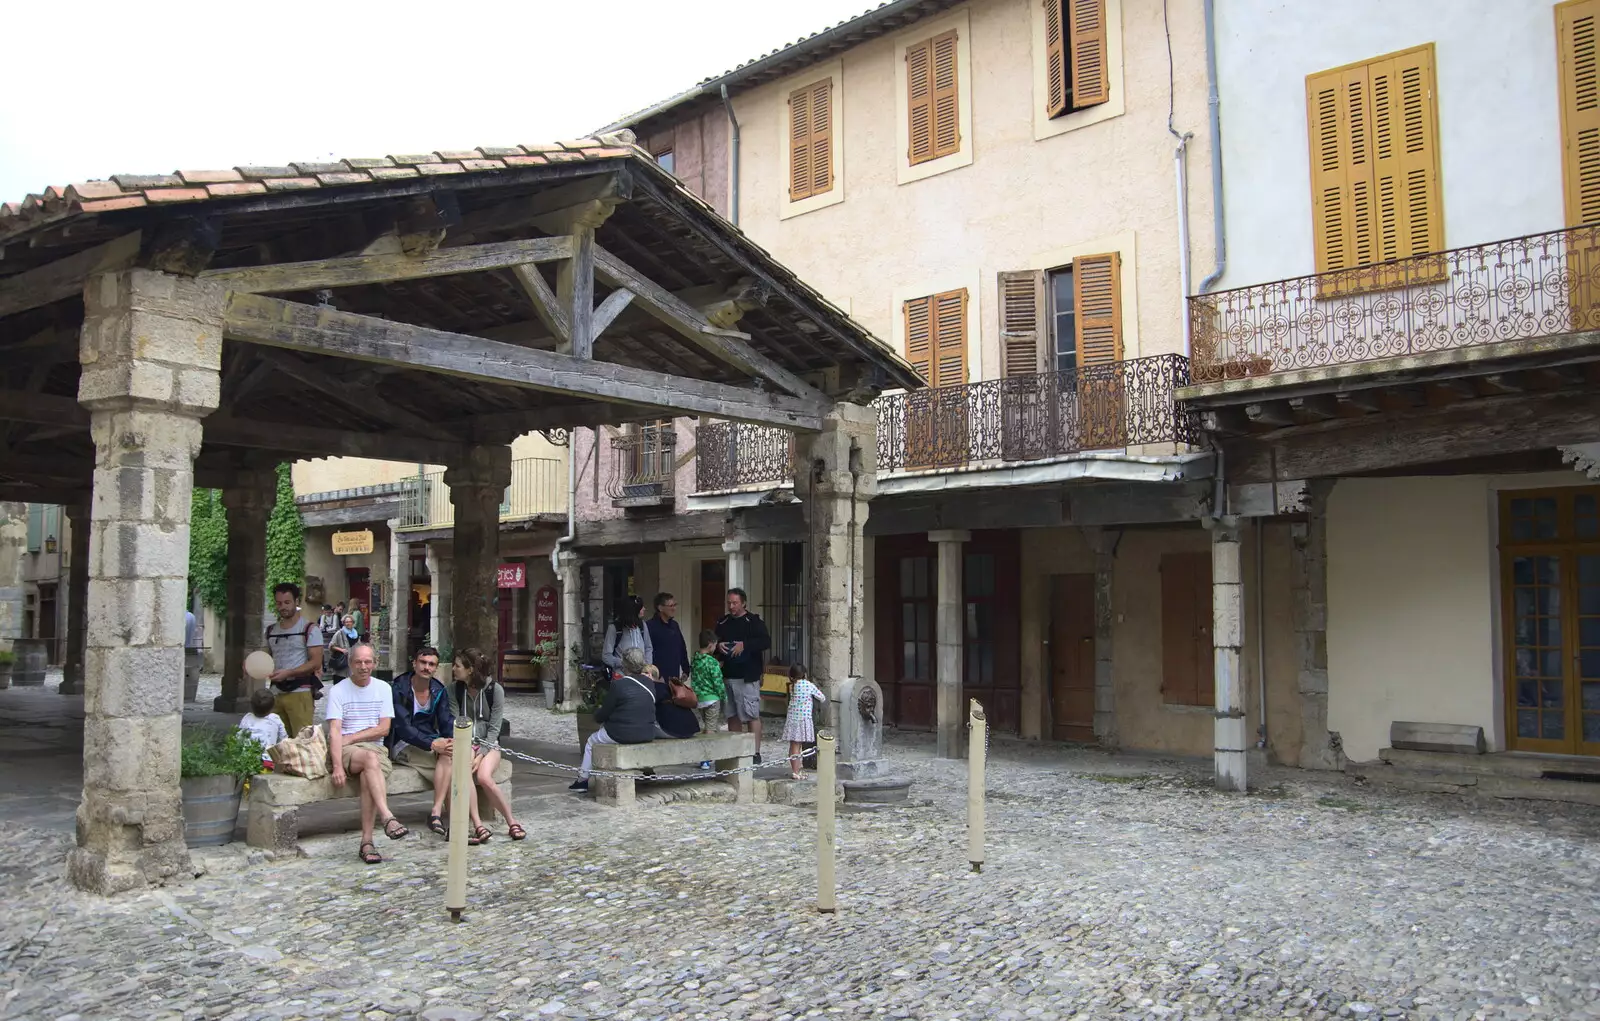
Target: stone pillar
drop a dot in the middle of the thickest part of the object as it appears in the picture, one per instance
(1308, 586)
(400, 600)
(836, 474)
(1227, 635)
(738, 554)
(77, 597)
(476, 488)
(249, 504)
(438, 599)
(1104, 545)
(150, 351)
(571, 627)
(949, 625)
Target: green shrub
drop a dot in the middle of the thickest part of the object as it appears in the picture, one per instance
(7, 657)
(210, 752)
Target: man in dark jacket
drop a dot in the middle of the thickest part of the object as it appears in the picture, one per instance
(420, 736)
(742, 642)
(670, 652)
(628, 715)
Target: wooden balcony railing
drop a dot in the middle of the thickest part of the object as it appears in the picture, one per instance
(1023, 418)
(1543, 285)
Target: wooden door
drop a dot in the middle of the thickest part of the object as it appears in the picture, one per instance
(358, 585)
(1186, 647)
(713, 594)
(906, 639)
(1072, 657)
(991, 630)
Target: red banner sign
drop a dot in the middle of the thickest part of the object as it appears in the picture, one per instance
(512, 576)
(544, 615)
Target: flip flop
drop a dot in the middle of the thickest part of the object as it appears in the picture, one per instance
(436, 824)
(368, 853)
(390, 825)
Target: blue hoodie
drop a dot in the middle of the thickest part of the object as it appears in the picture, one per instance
(420, 729)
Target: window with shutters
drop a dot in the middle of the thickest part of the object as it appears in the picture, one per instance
(934, 97)
(1576, 23)
(1375, 183)
(811, 140)
(936, 337)
(1061, 319)
(1075, 57)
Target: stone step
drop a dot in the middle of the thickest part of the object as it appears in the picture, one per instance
(1477, 783)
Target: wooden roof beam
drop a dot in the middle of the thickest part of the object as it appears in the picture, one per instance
(363, 402)
(50, 283)
(352, 271)
(278, 323)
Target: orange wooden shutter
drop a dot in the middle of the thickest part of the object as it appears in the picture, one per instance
(1405, 189)
(1580, 109)
(919, 337)
(946, 104)
(799, 144)
(919, 96)
(1097, 283)
(1086, 28)
(822, 136)
(1021, 320)
(950, 337)
(1341, 168)
(1055, 60)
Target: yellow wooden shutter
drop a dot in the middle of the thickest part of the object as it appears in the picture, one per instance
(946, 103)
(799, 144)
(1022, 313)
(1405, 148)
(919, 96)
(1086, 28)
(821, 136)
(919, 337)
(950, 338)
(1097, 286)
(1580, 109)
(1330, 187)
(1055, 60)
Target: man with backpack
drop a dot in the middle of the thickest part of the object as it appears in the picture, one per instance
(296, 647)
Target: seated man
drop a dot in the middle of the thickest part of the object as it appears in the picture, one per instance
(359, 715)
(628, 715)
(423, 725)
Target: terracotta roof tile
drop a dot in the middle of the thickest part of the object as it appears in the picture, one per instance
(390, 173)
(308, 169)
(581, 143)
(139, 182)
(483, 164)
(236, 188)
(368, 163)
(291, 183)
(261, 173)
(544, 147)
(564, 157)
(209, 176)
(93, 190)
(413, 160)
(350, 177)
(449, 155)
(525, 161)
(496, 151)
(434, 169)
(176, 194)
(107, 205)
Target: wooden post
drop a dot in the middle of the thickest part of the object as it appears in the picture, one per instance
(977, 749)
(826, 904)
(461, 794)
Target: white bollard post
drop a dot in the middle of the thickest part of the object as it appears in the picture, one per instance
(977, 746)
(455, 890)
(825, 894)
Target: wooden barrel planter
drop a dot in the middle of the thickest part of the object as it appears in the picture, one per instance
(518, 672)
(586, 726)
(210, 809)
(32, 658)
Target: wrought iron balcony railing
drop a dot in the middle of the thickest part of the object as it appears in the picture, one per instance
(1023, 418)
(733, 454)
(538, 486)
(1543, 285)
(643, 465)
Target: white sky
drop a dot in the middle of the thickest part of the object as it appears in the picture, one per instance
(213, 85)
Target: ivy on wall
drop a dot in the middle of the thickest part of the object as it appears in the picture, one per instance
(286, 539)
(208, 548)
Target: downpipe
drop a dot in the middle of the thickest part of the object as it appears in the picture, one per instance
(733, 146)
(1214, 116)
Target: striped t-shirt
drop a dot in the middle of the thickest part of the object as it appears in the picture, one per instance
(358, 707)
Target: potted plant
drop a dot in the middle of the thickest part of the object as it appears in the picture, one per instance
(7, 657)
(594, 680)
(215, 766)
(545, 654)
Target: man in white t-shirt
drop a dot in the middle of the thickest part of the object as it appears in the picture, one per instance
(360, 712)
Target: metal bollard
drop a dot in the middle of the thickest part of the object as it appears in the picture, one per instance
(977, 746)
(825, 893)
(455, 889)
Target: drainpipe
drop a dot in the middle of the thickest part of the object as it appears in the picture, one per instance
(1261, 634)
(733, 123)
(1218, 227)
(572, 503)
(1181, 175)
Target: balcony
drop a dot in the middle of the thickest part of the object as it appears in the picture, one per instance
(538, 486)
(643, 464)
(980, 425)
(1400, 315)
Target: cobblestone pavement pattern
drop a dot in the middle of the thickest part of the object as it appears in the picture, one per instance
(1115, 887)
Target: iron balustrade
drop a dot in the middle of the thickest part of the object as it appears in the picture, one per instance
(1542, 285)
(1018, 419)
(538, 486)
(643, 466)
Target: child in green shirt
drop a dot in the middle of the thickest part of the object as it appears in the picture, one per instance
(705, 677)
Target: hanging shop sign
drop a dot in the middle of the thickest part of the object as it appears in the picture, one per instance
(544, 615)
(350, 544)
(512, 576)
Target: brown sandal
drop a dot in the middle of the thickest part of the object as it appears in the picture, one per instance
(368, 853)
(516, 831)
(479, 836)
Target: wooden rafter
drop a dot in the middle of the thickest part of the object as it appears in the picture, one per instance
(382, 269)
(63, 278)
(365, 403)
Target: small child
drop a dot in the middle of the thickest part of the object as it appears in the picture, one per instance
(263, 724)
(653, 672)
(797, 727)
(705, 677)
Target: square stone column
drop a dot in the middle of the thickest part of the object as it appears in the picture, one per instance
(476, 488)
(571, 627)
(949, 626)
(1308, 586)
(249, 505)
(150, 351)
(77, 597)
(836, 475)
(438, 599)
(738, 554)
(1104, 545)
(1230, 742)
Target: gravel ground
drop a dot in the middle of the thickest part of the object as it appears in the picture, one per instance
(1113, 887)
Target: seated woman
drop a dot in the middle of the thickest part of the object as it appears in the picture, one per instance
(628, 715)
(671, 720)
(476, 696)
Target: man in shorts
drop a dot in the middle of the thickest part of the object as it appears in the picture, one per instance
(296, 647)
(360, 711)
(742, 641)
(423, 727)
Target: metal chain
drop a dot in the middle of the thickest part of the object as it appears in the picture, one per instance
(634, 774)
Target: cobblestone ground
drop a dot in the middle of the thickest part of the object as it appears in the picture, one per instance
(1114, 888)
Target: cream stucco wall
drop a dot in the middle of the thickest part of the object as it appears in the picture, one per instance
(1019, 198)
(325, 474)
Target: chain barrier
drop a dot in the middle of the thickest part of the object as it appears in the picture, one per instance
(698, 774)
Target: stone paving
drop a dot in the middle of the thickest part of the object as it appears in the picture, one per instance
(1114, 887)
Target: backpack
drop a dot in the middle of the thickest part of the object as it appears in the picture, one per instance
(305, 637)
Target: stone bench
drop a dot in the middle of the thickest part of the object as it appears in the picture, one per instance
(275, 800)
(725, 750)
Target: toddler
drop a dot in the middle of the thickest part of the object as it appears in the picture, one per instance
(797, 726)
(263, 724)
(705, 677)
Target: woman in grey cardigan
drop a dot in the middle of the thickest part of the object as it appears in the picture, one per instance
(626, 632)
(475, 696)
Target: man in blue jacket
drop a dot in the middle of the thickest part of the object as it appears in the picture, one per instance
(669, 651)
(420, 737)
